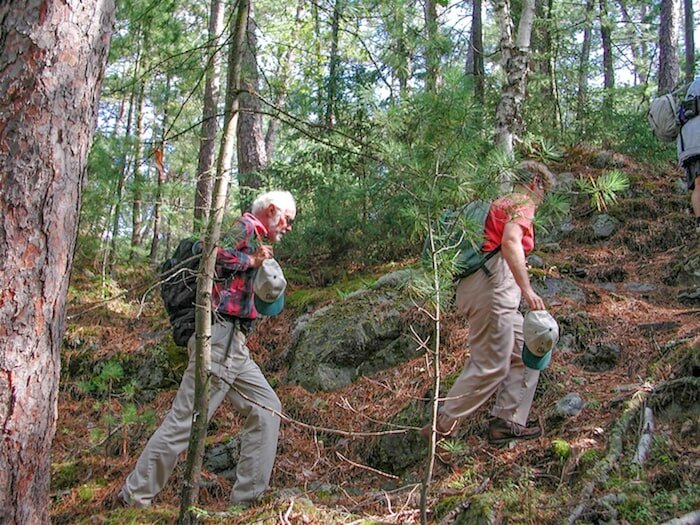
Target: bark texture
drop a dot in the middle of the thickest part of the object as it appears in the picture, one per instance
(207, 144)
(668, 48)
(52, 59)
(251, 151)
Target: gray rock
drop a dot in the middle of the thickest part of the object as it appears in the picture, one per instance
(395, 453)
(568, 406)
(640, 287)
(604, 226)
(688, 269)
(567, 343)
(600, 358)
(566, 182)
(607, 159)
(550, 287)
(222, 458)
(535, 261)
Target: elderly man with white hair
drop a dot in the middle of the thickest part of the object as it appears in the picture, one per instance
(235, 376)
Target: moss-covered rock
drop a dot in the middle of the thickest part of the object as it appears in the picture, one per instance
(365, 332)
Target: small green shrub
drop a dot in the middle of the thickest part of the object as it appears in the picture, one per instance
(561, 449)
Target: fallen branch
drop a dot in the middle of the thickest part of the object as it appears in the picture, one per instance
(285, 417)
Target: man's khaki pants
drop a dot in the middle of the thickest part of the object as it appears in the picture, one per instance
(230, 361)
(495, 364)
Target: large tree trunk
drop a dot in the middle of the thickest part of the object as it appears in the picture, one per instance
(207, 143)
(251, 153)
(608, 66)
(689, 41)
(475, 53)
(52, 60)
(515, 56)
(668, 49)
(205, 279)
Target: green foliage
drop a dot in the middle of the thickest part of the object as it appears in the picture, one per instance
(561, 449)
(103, 383)
(63, 475)
(453, 446)
(603, 190)
(541, 149)
(86, 493)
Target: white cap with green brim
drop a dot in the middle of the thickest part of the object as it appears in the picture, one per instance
(541, 333)
(269, 286)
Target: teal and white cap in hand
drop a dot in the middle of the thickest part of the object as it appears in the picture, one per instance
(541, 333)
(269, 286)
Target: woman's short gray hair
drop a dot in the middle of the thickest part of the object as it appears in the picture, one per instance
(283, 201)
(527, 170)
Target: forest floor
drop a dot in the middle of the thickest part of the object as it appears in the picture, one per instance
(632, 301)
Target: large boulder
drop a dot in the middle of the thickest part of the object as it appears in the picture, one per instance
(366, 332)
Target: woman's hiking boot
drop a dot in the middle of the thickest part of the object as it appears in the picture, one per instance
(502, 431)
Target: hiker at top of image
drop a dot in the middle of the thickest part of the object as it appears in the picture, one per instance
(676, 116)
(249, 283)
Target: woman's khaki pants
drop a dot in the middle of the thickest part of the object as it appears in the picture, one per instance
(495, 339)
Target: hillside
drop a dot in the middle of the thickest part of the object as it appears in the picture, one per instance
(638, 300)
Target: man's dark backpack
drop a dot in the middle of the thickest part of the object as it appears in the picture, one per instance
(465, 228)
(178, 288)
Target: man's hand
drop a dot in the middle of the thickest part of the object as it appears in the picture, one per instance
(263, 252)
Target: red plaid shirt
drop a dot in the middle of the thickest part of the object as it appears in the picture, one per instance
(232, 293)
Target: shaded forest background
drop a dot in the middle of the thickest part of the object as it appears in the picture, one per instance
(355, 107)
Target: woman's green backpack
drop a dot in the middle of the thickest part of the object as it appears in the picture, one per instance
(464, 228)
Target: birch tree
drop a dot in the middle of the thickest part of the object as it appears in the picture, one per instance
(515, 57)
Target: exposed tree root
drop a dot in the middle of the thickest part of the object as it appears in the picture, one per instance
(463, 505)
(646, 438)
(692, 518)
(599, 473)
(685, 388)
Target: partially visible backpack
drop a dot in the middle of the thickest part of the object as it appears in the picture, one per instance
(470, 256)
(178, 288)
(663, 117)
(465, 228)
(689, 117)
